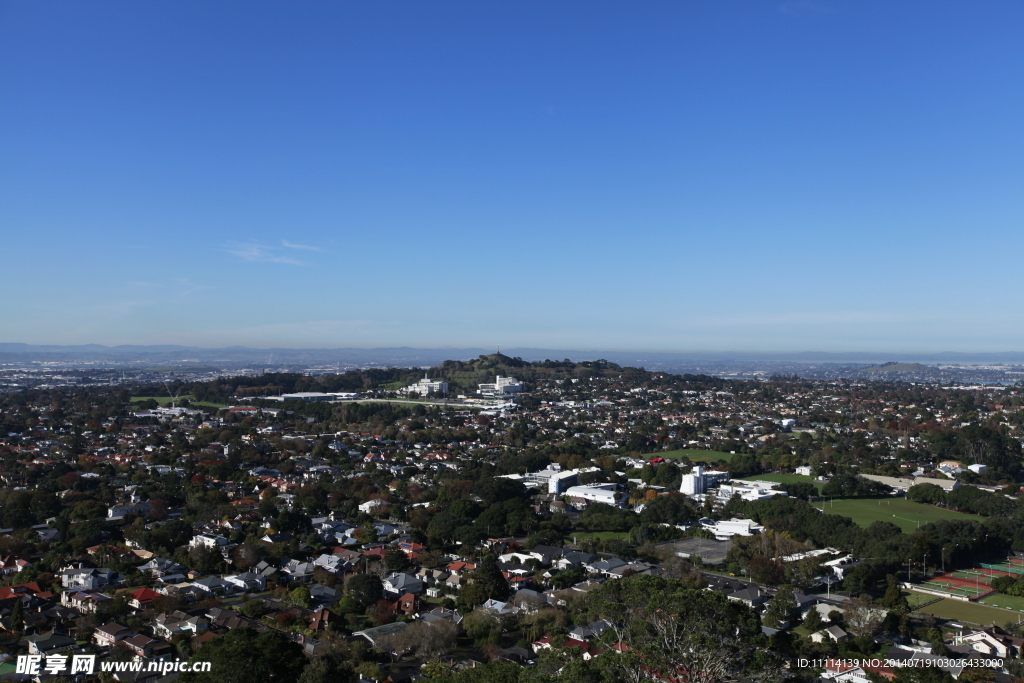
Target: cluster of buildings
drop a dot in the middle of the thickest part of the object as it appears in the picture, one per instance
(598, 436)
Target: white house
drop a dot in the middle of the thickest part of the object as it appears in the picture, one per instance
(985, 643)
(403, 583)
(247, 581)
(87, 579)
(209, 541)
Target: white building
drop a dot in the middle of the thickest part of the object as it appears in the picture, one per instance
(208, 540)
(693, 483)
(307, 396)
(369, 506)
(727, 528)
(804, 470)
(596, 493)
(425, 387)
(502, 386)
(552, 478)
(698, 481)
(749, 491)
(247, 581)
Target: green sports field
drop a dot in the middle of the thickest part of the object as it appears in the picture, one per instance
(902, 512)
(694, 455)
(983, 615)
(914, 598)
(1005, 601)
(786, 479)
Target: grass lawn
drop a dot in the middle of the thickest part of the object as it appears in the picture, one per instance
(786, 479)
(982, 615)
(914, 598)
(694, 455)
(902, 512)
(1005, 601)
(603, 535)
(165, 401)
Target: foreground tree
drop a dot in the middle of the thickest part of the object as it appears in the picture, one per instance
(666, 630)
(243, 656)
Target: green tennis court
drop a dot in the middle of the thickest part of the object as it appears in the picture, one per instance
(1005, 567)
(957, 588)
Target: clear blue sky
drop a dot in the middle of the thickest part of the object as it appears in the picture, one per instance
(788, 175)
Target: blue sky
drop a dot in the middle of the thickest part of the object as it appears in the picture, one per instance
(788, 175)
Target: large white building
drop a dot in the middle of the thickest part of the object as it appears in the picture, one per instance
(727, 528)
(596, 493)
(502, 386)
(698, 481)
(748, 491)
(693, 483)
(553, 478)
(425, 387)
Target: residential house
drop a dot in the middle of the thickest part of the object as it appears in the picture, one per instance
(12, 565)
(833, 633)
(111, 633)
(86, 602)
(213, 585)
(145, 647)
(142, 598)
(159, 566)
(323, 595)
(168, 625)
(752, 596)
(298, 571)
(49, 643)
(247, 581)
(397, 584)
(78, 578)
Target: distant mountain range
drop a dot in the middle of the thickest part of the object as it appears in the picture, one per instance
(409, 356)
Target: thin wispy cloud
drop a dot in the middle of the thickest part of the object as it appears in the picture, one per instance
(304, 247)
(259, 253)
(807, 7)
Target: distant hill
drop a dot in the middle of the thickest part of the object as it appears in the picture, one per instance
(893, 367)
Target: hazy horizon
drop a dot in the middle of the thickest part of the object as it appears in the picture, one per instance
(534, 353)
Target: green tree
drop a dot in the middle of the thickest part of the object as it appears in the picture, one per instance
(669, 628)
(327, 670)
(396, 560)
(490, 577)
(894, 600)
(812, 622)
(18, 617)
(779, 609)
(365, 589)
(244, 656)
(253, 609)
(301, 597)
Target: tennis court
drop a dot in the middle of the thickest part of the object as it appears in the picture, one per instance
(965, 583)
(968, 590)
(973, 583)
(982, 575)
(1013, 566)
